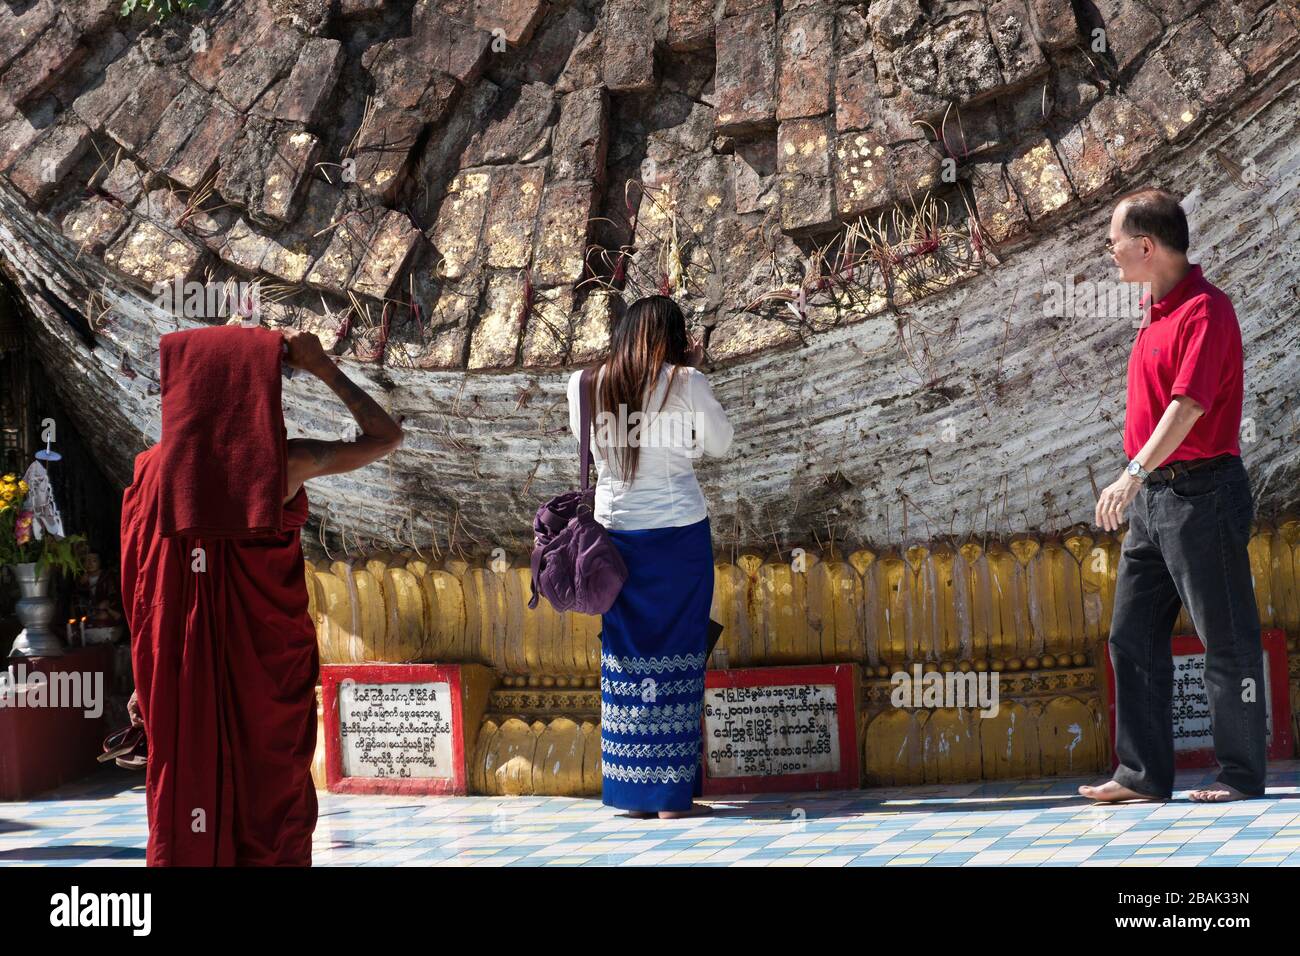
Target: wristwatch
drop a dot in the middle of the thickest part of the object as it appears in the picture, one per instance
(1137, 471)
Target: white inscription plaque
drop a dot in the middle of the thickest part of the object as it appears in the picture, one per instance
(395, 731)
(1192, 704)
(771, 731)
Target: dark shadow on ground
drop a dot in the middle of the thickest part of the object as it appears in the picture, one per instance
(70, 853)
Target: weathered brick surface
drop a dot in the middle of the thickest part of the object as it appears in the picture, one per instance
(1037, 175)
(856, 94)
(1128, 134)
(519, 128)
(244, 247)
(1054, 23)
(1154, 90)
(35, 70)
(562, 230)
(895, 22)
(803, 150)
(148, 254)
(512, 213)
(98, 102)
(21, 26)
(1001, 214)
(690, 25)
(139, 113)
(43, 168)
(592, 328)
(1012, 35)
(585, 66)
(496, 338)
(863, 179)
(302, 95)
(126, 180)
(347, 247)
(94, 224)
(198, 158)
(1264, 45)
(404, 78)
(359, 8)
(756, 128)
(390, 247)
(754, 176)
(242, 82)
(19, 132)
(286, 173)
(450, 46)
(1086, 160)
(226, 42)
(955, 60)
(629, 64)
(179, 121)
(806, 55)
(383, 154)
(550, 330)
(92, 16)
(266, 168)
(745, 81)
(1129, 28)
(581, 139)
(287, 262)
(456, 233)
(515, 20)
(1200, 65)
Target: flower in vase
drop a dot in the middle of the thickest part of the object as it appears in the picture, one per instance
(23, 527)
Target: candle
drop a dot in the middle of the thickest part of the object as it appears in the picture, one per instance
(83, 632)
(70, 630)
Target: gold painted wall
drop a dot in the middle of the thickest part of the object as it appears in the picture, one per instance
(1033, 609)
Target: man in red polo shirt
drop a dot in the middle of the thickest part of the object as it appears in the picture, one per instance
(1190, 519)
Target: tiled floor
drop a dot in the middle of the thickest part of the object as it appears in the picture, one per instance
(101, 822)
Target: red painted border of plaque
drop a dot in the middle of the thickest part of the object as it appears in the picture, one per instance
(1281, 748)
(843, 676)
(333, 674)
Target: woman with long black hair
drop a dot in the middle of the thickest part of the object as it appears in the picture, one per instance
(653, 415)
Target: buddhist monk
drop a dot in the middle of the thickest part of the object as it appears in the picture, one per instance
(223, 648)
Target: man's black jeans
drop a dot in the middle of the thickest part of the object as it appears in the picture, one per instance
(1186, 542)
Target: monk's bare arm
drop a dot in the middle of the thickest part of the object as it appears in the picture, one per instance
(378, 433)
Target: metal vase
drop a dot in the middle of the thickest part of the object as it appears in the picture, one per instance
(35, 610)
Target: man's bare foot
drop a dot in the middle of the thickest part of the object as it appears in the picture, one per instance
(1216, 793)
(1112, 792)
(696, 810)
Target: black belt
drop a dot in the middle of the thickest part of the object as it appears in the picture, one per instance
(1175, 468)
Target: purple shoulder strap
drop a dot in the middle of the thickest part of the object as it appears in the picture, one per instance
(584, 425)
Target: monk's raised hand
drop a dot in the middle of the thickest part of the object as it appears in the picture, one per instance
(304, 350)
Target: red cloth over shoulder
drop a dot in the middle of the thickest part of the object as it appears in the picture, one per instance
(223, 451)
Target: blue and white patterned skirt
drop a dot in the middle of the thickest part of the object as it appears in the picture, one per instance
(653, 648)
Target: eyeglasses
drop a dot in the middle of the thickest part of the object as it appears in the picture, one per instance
(1112, 246)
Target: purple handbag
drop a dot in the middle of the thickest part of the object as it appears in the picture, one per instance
(575, 564)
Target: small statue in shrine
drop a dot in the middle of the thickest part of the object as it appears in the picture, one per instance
(97, 596)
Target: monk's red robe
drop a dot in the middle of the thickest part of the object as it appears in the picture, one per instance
(225, 667)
